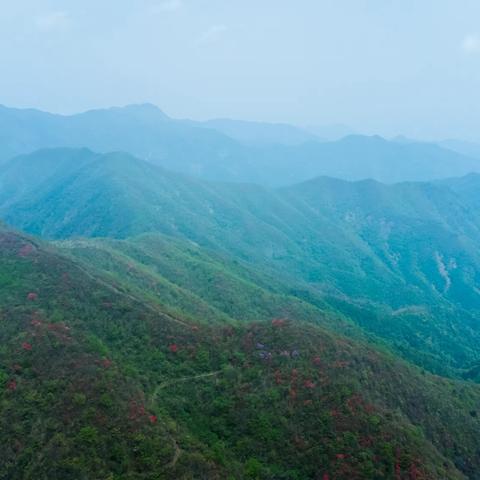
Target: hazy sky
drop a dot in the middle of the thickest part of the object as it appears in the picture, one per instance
(386, 66)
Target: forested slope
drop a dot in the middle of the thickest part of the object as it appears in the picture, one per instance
(400, 260)
(98, 383)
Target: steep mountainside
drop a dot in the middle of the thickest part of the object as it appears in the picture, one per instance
(400, 260)
(97, 383)
(272, 155)
(466, 188)
(195, 282)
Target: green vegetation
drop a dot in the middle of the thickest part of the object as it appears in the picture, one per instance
(195, 282)
(400, 261)
(101, 383)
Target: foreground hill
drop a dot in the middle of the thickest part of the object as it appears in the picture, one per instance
(272, 155)
(98, 384)
(400, 260)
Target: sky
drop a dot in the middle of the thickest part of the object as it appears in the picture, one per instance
(389, 67)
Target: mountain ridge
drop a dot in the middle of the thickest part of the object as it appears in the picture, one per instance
(267, 154)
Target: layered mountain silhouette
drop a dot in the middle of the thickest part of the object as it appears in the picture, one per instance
(226, 150)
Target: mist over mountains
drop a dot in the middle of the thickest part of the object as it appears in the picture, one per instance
(226, 150)
(239, 240)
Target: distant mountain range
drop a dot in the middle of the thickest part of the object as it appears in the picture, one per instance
(258, 133)
(331, 132)
(227, 150)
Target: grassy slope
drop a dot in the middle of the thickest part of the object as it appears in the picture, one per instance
(84, 364)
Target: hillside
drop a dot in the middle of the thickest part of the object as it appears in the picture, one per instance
(466, 188)
(97, 383)
(194, 282)
(399, 260)
(228, 150)
(69, 409)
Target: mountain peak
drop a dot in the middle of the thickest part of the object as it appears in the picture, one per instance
(142, 109)
(134, 112)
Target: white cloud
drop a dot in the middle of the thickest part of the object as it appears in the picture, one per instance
(169, 6)
(213, 34)
(471, 43)
(52, 21)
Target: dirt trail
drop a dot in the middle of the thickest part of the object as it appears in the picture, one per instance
(153, 398)
(163, 385)
(176, 454)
